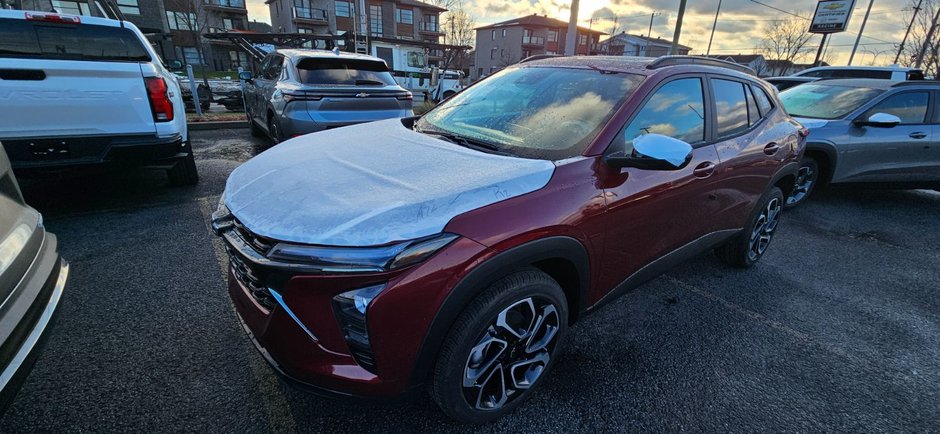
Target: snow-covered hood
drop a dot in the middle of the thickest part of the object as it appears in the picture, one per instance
(371, 184)
(811, 123)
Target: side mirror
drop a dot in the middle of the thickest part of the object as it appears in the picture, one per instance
(653, 152)
(175, 64)
(244, 75)
(879, 120)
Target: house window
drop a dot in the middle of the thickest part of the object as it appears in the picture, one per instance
(526, 53)
(405, 16)
(343, 8)
(233, 24)
(504, 33)
(304, 30)
(71, 7)
(493, 52)
(238, 58)
(493, 36)
(181, 21)
(129, 7)
(553, 36)
(430, 24)
(375, 20)
(582, 39)
(191, 56)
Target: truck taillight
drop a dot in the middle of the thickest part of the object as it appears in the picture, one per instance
(160, 102)
(53, 18)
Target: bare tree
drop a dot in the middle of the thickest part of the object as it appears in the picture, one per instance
(193, 19)
(786, 40)
(459, 33)
(918, 37)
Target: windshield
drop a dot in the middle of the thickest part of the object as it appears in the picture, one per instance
(343, 71)
(822, 101)
(20, 38)
(534, 112)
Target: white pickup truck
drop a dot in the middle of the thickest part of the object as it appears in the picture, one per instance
(82, 91)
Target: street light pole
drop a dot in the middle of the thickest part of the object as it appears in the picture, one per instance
(572, 37)
(714, 24)
(860, 31)
(678, 31)
(908, 32)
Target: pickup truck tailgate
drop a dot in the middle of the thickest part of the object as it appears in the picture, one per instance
(71, 80)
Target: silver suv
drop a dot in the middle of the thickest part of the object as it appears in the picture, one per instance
(877, 132)
(302, 91)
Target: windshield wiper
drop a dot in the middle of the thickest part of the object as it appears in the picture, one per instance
(467, 142)
(362, 81)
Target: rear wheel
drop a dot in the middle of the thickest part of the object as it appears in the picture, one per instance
(275, 130)
(748, 247)
(806, 179)
(500, 347)
(184, 172)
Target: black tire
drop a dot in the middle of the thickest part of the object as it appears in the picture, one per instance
(448, 94)
(274, 131)
(742, 250)
(184, 172)
(527, 293)
(807, 179)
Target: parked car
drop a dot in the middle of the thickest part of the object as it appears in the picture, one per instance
(455, 249)
(894, 72)
(875, 132)
(83, 91)
(32, 278)
(784, 83)
(302, 91)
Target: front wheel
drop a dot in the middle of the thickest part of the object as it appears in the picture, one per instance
(501, 346)
(806, 179)
(749, 246)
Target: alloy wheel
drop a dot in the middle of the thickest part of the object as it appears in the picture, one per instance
(764, 229)
(511, 355)
(805, 179)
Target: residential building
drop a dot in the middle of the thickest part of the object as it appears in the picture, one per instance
(501, 44)
(393, 19)
(625, 44)
(754, 61)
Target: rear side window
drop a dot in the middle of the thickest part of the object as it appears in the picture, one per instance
(730, 107)
(26, 39)
(344, 72)
(753, 114)
(763, 101)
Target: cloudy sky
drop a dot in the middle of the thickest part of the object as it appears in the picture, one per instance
(740, 24)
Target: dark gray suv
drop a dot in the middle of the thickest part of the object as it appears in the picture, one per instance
(302, 91)
(876, 132)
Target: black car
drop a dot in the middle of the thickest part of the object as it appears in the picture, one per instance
(32, 278)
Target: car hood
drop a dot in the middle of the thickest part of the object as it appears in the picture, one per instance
(371, 184)
(811, 123)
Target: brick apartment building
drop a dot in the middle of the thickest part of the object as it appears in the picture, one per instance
(393, 19)
(168, 24)
(501, 44)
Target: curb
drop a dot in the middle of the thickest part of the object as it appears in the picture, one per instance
(200, 126)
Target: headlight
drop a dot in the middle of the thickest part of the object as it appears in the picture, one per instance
(361, 259)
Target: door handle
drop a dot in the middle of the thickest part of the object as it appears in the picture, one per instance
(704, 170)
(771, 148)
(917, 135)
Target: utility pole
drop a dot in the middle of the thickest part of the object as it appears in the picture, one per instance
(650, 33)
(913, 17)
(860, 31)
(714, 24)
(572, 37)
(678, 31)
(927, 42)
(822, 44)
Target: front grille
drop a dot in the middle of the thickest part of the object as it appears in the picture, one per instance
(251, 277)
(261, 244)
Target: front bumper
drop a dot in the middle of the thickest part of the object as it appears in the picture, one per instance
(62, 152)
(27, 318)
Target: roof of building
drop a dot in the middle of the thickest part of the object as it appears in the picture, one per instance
(742, 59)
(536, 20)
(422, 5)
(644, 38)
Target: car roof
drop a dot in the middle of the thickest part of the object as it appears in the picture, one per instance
(873, 83)
(645, 66)
(861, 68)
(302, 53)
(791, 78)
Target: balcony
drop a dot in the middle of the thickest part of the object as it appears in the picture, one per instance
(429, 27)
(310, 15)
(537, 41)
(226, 4)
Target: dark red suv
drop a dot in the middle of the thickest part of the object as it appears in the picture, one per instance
(453, 250)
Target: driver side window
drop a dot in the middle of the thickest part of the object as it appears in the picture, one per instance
(677, 110)
(911, 107)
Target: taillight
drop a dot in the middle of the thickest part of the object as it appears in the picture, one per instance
(405, 97)
(53, 18)
(300, 96)
(160, 102)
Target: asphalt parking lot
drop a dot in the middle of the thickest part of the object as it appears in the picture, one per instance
(837, 328)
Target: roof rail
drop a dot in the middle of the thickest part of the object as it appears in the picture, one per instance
(539, 57)
(665, 61)
(916, 83)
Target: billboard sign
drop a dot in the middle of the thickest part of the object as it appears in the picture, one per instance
(832, 16)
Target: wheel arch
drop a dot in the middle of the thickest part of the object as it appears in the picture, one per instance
(826, 156)
(563, 258)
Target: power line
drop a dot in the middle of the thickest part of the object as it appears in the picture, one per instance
(780, 10)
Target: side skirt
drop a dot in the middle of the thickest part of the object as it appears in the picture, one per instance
(667, 262)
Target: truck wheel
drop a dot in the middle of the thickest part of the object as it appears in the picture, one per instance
(449, 94)
(184, 172)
